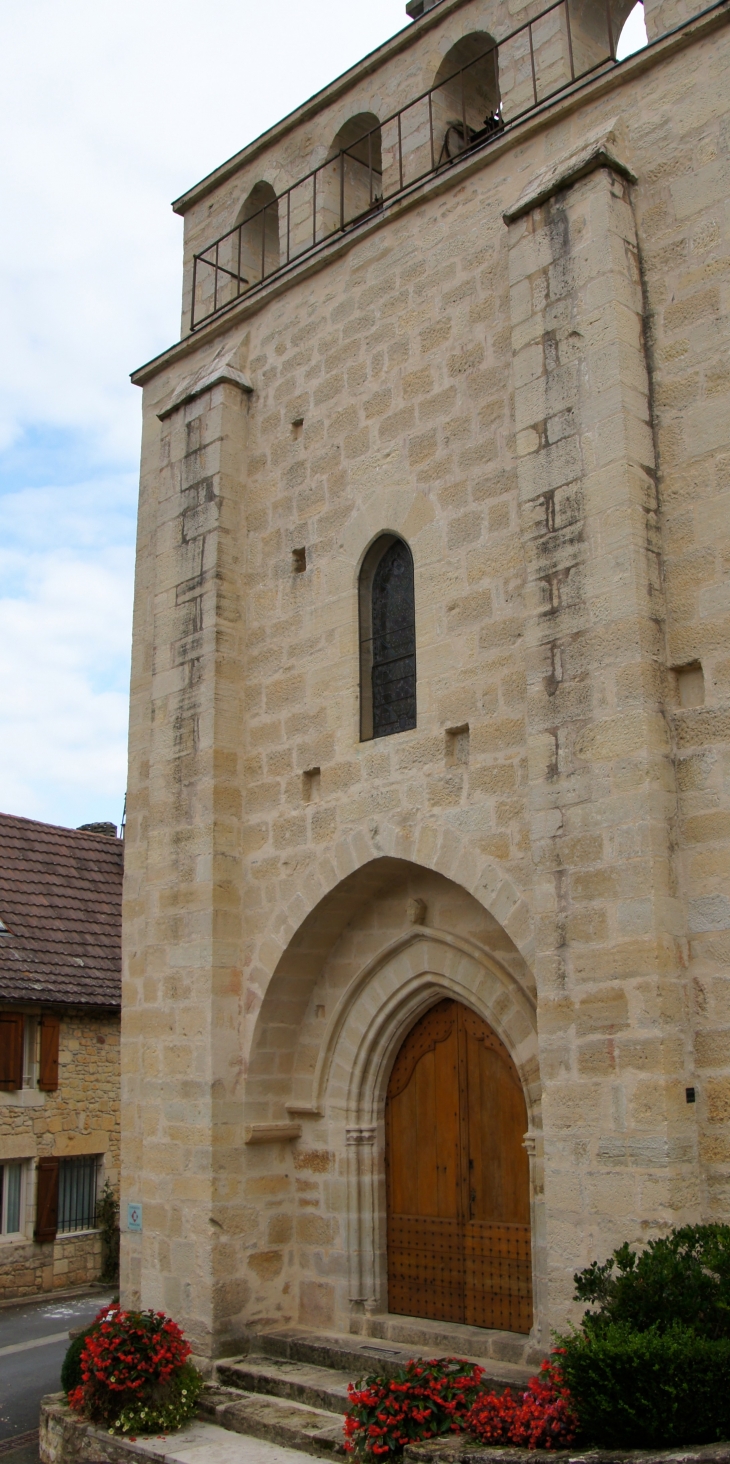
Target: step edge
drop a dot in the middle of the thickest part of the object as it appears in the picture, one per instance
(286, 1343)
(259, 1362)
(241, 1378)
(242, 1395)
(326, 1442)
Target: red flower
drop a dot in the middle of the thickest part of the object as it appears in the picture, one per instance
(542, 1418)
(422, 1400)
(126, 1355)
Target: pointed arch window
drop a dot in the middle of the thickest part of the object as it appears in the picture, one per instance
(387, 639)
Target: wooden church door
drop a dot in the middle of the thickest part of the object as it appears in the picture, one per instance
(458, 1176)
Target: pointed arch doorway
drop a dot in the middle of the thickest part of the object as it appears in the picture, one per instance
(457, 1176)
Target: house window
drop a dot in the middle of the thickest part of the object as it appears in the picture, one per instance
(30, 1053)
(77, 1193)
(11, 1198)
(24, 1061)
(387, 639)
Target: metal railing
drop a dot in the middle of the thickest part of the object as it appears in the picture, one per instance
(77, 1193)
(523, 71)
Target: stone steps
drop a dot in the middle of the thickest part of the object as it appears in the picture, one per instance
(503, 1351)
(290, 1387)
(280, 1420)
(356, 1356)
(303, 1382)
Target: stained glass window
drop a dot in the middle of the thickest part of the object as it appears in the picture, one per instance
(393, 642)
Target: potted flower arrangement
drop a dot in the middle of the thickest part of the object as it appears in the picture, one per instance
(131, 1371)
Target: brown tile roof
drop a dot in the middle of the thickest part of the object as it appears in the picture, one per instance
(61, 901)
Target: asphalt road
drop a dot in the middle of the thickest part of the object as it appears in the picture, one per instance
(33, 1341)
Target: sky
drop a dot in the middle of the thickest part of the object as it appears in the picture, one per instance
(108, 112)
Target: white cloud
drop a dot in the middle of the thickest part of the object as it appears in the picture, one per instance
(107, 112)
(65, 622)
(110, 111)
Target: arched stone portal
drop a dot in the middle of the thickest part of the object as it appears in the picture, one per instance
(389, 943)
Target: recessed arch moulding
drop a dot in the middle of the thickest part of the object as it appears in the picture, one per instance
(388, 940)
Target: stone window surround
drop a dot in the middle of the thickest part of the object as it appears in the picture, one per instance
(26, 1184)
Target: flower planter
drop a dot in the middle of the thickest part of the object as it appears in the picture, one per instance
(459, 1451)
(64, 1438)
(67, 1439)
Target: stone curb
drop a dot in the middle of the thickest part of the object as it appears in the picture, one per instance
(65, 1437)
(455, 1451)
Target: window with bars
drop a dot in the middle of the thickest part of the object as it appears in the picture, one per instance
(387, 639)
(77, 1193)
(11, 1197)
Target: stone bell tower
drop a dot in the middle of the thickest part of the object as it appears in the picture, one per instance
(426, 908)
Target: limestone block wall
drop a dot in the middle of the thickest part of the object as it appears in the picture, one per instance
(80, 1117)
(29, 1269)
(183, 984)
(539, 407)
(683, 232)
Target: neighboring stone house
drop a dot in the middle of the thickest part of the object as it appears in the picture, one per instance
(60, 957)
(426, 925)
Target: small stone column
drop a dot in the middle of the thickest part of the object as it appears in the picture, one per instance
(361, 1189)
(613, 1036)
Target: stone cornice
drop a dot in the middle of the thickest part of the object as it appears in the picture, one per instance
(563, 173)
(205, 382)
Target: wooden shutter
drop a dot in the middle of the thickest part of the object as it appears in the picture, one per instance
(46, 1221)
(11, 1051)
(48, 1074)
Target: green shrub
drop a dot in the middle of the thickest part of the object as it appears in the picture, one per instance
(71, 1365)
(684, 1277)
(107, 1218)
(648, 1389)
